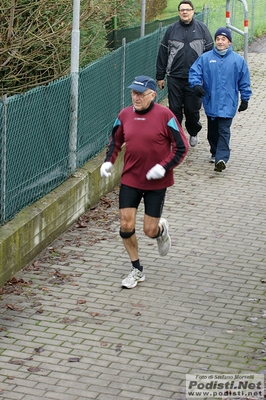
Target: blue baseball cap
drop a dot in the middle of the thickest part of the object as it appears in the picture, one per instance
(142, 83)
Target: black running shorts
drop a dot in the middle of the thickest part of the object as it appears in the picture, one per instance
(153, 200)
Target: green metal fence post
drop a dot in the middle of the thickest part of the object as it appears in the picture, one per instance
(252, 19)
(206, 13)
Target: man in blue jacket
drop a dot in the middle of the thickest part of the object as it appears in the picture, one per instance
(218, 76)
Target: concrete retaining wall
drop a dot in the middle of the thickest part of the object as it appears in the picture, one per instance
(37, 225)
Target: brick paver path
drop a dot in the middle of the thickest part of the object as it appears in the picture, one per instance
(69, 331)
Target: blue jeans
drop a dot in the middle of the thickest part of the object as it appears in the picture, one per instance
(219, 137)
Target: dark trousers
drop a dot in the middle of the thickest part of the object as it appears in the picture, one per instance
(182, 99)
(219, 137)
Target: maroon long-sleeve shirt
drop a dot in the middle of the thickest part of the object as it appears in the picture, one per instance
(151, 137)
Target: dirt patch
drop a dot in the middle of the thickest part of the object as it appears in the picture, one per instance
(258, 45)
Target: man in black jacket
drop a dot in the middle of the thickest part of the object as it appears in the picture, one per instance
(183, 42)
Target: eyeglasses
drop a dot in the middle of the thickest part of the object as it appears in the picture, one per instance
(141, 95)
(185, 10)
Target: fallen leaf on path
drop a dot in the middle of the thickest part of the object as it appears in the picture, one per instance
(94, 314)
(39, 350)
(33, 369)
(67, 320)
(17, 362)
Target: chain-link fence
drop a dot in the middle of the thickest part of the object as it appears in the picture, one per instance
(114, 38)
(35, 126)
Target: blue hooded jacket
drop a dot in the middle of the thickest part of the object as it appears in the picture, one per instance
(222, 78)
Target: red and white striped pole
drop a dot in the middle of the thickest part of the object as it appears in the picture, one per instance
(245, 31)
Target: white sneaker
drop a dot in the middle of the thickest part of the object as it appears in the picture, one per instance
(133, 278)
(193, 140)
(164, 241)
(212, 159)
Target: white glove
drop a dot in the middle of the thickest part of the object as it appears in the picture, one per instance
(156, 172)
(105, 168)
